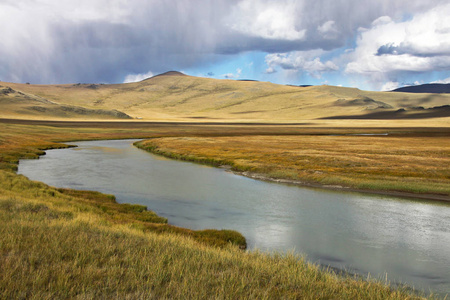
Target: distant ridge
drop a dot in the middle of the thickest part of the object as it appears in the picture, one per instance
(435, 88)
(174, 96)
(170, 73)
(302, 85)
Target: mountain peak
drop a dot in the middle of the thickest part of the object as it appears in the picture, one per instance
(171, 73)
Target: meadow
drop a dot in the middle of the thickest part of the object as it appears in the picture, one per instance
(59, 243)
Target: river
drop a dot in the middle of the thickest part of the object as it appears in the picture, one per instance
(403, 240)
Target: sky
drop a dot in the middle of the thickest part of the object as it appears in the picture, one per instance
(368, 44)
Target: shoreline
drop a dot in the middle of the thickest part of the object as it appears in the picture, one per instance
(442, 198)
(410, 195)
(149, 219)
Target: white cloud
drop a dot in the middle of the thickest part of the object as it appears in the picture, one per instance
(265, 19)
(270, 70)
(328, 29)
(383, 20)
(233, 75)
(299, 61)
(137, 77)
(389, 48)
(389, 86)
(447, 80)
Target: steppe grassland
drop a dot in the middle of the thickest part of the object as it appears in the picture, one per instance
(63, 244)
(20, 141)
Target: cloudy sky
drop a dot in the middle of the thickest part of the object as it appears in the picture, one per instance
(370, 44)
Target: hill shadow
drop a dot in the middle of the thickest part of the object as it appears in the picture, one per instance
(415, 113)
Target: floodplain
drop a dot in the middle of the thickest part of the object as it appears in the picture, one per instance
(51, 237)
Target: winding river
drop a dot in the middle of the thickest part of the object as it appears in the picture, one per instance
(403, 240)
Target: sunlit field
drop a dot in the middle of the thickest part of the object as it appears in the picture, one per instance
(59, 243)
(177, 97)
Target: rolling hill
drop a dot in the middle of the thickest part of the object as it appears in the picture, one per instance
(14, 103)
(173, 96)
(435, 88)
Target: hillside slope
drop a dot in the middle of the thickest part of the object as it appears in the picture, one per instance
(175, 96)
(15, 103)
(436, 88)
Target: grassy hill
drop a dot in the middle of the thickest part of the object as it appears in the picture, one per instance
(438, 88)
(177, 97)
(15, 103)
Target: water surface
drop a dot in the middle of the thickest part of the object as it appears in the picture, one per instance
(408, 240)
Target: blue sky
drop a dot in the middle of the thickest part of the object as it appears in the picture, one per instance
(252, 65)
(372, 45)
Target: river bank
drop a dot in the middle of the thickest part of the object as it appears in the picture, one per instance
(404, 166)
(259, 176)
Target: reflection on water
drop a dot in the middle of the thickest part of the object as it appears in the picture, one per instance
(360, 233)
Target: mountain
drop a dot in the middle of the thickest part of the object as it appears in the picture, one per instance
(174, 96)
(433, 88)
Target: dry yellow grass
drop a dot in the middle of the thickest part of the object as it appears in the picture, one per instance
(53, 249)
(17, 104)
(62, 244)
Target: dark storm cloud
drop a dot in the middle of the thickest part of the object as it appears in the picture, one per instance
(390, 49)
(151, 35)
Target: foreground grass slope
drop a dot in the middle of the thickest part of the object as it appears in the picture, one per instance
(51, 249)
(174, 96)
(57, 243)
